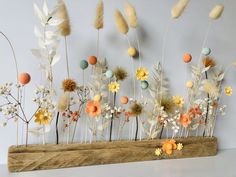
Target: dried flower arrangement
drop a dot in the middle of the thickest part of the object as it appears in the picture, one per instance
(187, 122)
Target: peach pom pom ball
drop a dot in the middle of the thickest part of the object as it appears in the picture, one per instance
(24, 78)
(92, 60)
(187, 58)
(124, 100)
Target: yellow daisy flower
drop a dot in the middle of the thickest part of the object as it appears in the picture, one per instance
(178, 101)
(114, 87)
(142, 74)
(228, 91)
(43, 116)
(158, 152)
(179, 146)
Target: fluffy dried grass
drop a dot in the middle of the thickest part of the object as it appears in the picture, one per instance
(62, 13)
(131, 15)
(216, 12)
(178, 8)
(98, 24)
(63, 102)
(121, 23)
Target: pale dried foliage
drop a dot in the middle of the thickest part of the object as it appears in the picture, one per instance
(211, 88)
(131, 15)
(178, 8)
(63, 102)
(98, 24)
(216, 12)
(121, 23)
(62, 13)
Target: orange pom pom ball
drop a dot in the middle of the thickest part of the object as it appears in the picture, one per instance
(124, 100)
(187, 57)
(24, 78)
(92, 60)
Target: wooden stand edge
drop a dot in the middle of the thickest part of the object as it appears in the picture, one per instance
(42, 157)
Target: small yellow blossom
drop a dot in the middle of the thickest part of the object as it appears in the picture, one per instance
(97, 98)
(158, 152)
(179, 146)
(178, 101)
(189, 84)
(142, 74)
(228, 91)
(114, 87)
(42, 117)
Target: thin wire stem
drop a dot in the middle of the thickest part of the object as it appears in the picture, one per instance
(204, 41)
(17, 75)
(67, 58)
(134, 84)
(98, 44)
(139, 48)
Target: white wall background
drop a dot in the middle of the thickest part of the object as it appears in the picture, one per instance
(17, 20)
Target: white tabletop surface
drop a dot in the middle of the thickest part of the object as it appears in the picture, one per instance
(222, 165)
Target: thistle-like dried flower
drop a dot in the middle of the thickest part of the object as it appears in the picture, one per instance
(130, 13)
(69, 85)
(62, 13)
(168, 104)
(98, 24)
(136, 109)
(63, 102)
(216, 12)
(120, 74)
(121, 23)
(178, 8)
(211, 88)
(208, 62)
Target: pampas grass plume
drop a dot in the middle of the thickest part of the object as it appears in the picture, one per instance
(216, 12)
(178, 8)
(99, 15)
(62, 13)
(121, 23)
(130, 13)
(63, 102)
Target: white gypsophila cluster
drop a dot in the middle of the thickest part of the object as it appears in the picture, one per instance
(6, 88)
(9, 110)
(222, 110)
(173, 122)
(107, 111)
(43, 98)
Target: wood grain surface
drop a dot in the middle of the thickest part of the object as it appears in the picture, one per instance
(51, 156)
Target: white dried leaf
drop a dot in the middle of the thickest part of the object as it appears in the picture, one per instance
(55, 59)
(45, 8)
(39, 14)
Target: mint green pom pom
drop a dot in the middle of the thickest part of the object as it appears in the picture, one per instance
(83, 64)
(109, 74)
(144, 85)
(206, 51)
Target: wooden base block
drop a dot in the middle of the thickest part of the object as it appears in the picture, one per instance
(42, 157)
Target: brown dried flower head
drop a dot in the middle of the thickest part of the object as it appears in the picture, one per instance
(208, 61)
(136, 109)
(69, 85)
(120, 73)
(168, 104)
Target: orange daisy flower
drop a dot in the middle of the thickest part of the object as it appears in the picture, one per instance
(185, 120)
(93, 108)
(168, 146)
